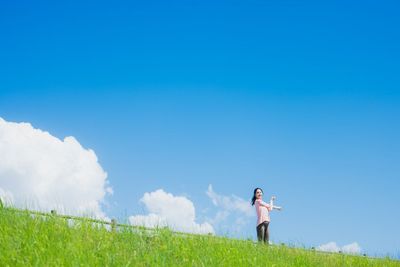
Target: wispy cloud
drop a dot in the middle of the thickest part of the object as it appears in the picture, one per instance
(230, 203)
(40, 171)
(233, 212)
(165, 209)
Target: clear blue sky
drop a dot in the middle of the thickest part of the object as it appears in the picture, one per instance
(300, 98)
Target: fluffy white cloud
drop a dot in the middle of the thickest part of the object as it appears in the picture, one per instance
(165, 209)
(40, 171)
(352, 248)
(329, 247)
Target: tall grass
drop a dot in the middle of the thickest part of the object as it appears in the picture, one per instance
(29, 240)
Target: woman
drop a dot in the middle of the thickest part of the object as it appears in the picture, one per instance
(262, 210)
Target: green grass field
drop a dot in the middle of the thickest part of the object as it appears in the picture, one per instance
(31, 240)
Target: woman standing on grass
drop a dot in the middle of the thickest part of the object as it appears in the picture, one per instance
(262, 210)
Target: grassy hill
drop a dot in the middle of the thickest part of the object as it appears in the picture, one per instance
(34, 240)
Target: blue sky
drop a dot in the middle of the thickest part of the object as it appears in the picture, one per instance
(301, 99)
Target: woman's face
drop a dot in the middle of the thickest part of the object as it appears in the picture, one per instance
(259, 194)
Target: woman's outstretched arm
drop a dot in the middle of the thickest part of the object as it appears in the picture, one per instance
(271, 203)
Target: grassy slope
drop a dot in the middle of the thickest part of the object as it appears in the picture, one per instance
(26, 240)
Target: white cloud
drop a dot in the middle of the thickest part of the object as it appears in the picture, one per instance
(329, 247)
(230, 203)
(352, 248)
(40, 171)
(230, 209)
(165, 209)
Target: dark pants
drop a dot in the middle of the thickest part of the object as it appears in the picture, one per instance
(262, 232)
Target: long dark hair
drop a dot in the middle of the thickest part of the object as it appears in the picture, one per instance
(254, 195)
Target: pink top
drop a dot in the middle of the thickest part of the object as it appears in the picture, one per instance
(262, 210)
